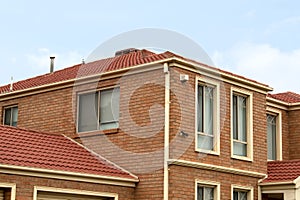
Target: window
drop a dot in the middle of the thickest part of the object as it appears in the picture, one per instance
(241, 124)
(7, 191)
(207, 190)
(98, 110)
(241, 193)
(271, 136)
(11, 116)
(207, 112)
(274, 142)
(205, 193)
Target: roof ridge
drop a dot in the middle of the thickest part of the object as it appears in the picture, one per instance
(141, 56)
(102, 158)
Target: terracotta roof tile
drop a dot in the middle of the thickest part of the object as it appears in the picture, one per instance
(283, 171)
(109, 64)
(288, 97)
(20, 147)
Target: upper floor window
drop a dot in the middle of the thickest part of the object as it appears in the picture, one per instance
(274, 134)
(207, 190)
(271, 137)
(207, 123)
(241, 124)
(99, 110)
(11, 116)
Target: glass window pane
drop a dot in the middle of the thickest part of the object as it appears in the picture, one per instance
(208, 110)
(205, 142)
(234, 117)
(242, 117)
(243, 195)
(7, 116)
(14, 116)
(239, 149)
(199, 193)
(271, 136)
(109, 108)
(200, 109)
(88, 112)
(209, 193)
(235, 195)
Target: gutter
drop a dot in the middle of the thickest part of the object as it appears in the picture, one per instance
(166, 136)
(65, 175)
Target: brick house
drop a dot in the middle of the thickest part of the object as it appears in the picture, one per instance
(180, 129)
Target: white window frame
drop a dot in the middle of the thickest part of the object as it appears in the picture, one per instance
(248, 189)
(216, 128)
(215, 185)
(12, 187)
(72, 191)
(249, 110)
(278, 114)
(9, 107)
(98, 120)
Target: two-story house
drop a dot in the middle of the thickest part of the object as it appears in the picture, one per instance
(177, 128)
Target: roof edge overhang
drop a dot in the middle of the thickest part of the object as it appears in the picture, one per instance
(189, 65)
(66, 175)
(222, 75)
(286, 184)
(282, 104)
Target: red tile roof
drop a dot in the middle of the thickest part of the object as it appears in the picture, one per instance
(109, 64)
(283, 171)
(20, 147)
(288, 97)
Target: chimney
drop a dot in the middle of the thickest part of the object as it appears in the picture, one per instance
(125, 51)
(52, 63)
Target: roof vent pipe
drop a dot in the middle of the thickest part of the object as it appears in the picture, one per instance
(52, 63)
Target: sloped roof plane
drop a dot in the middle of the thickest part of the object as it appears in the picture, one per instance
(25, 148)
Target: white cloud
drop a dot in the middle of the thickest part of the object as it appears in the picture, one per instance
(263, 63)
(40, 60)
(282, 25)
(250, 14)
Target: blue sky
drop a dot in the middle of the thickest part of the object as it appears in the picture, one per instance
(257, 39)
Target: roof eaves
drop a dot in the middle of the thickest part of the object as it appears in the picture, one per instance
(289, 106)
(41, 172)
(71, 81)
(277, 183)
(222, 73)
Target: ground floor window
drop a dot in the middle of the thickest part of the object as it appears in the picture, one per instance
(207, 190)
(242, 193)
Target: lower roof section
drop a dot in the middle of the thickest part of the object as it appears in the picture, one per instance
(28, 150)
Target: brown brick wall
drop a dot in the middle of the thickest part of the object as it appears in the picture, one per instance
(294, 134)
(182, 182)
(138, 144)
(48, 112)
(285, 135)
(25, 186)
(183, 118)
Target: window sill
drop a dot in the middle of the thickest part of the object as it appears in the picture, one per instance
(243, 158)
(203, 151)
(97, 132)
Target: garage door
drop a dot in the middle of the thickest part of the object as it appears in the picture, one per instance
(64, 196)
(1, 194)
